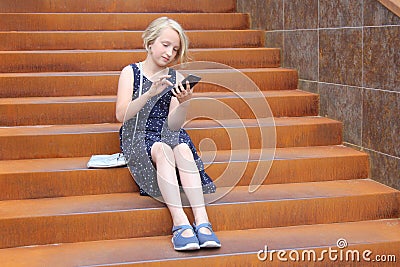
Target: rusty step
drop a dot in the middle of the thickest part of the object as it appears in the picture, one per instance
(106, 60)
(52, 141)
(239, 248)
(105, 83)
(99, 217)
(113, 6)
(57, 177)
(99, 40)
(101, 109)
(118, 21)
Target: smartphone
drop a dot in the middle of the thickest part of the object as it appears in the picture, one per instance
(193, 80)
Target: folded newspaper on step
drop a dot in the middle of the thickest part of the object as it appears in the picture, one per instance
(107, 161)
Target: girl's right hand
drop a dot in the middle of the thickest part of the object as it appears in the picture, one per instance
(159, 85)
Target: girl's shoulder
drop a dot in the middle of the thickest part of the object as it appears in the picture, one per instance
(130, 69)
(133, 66)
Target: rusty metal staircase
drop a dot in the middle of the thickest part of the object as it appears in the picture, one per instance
(58, 78)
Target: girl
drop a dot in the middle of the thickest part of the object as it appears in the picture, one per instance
(152, 104)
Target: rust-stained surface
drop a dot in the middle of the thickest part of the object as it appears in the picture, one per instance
(53, 141)
(117, 6)
(99, 217)
(117, 21)
(100, 40)
(105, 60)
(105, 82)
(101, 109)
(54, 177)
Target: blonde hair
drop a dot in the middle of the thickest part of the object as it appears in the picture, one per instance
(154, 29)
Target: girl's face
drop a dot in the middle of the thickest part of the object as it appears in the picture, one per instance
(164, 49)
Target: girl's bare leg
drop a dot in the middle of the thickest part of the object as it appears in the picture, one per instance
(163, 157)
(191, 183)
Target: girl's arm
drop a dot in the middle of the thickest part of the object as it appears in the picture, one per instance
(126, 108)
(179, 104)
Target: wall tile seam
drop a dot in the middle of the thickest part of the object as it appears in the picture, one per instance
(362, 78)
(305, 80)
(362, 148)
(283, 57)
(332, 28)
(318, 56)
(283, 31)
(283, 14)
(353, 86)
(380, 26)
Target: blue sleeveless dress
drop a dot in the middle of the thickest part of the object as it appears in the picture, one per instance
(151, 127)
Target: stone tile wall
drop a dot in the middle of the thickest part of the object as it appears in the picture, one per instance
(348, 51)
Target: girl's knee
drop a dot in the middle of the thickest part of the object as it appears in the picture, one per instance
(183, 151)
(161, 151)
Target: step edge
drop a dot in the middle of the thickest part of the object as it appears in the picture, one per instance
(54, 100)
(159, 206)
(116, 73)
(260, 232)
(138, 50)
(68, 129)
(345, 152)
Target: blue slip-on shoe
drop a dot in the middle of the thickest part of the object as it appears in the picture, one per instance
(205, 240)
(184, 243)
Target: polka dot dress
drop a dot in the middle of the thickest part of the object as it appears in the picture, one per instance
(152, 127)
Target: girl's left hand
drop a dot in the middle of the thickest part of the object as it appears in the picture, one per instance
(181, 93)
